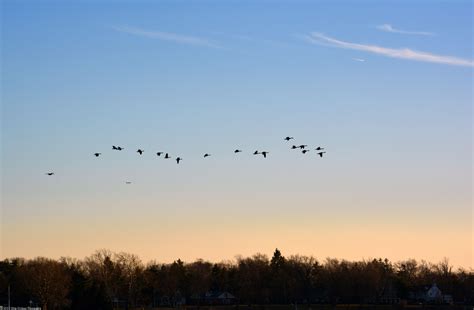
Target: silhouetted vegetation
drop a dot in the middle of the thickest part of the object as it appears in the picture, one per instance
(106, 280)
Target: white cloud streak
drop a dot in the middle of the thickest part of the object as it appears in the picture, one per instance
(402, 53)
(389, 28)
(168, 36)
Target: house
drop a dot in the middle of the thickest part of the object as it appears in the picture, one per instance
(214, 298)
(434, 294)
(389, 295)
(226, 298)
(429, 294)
(448, 299)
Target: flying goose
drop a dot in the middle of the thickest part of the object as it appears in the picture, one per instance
(140, 151)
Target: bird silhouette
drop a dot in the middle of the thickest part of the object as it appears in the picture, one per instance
(178, 159)
(49, 173)
(119, 148)
(128, 182)
(159, 153)
(302, 146)
(167, 156)
(256, 153)
(264, 153)
(288, 138)
(237, 151)
(304, 151)
(114, 147)
(207, 155)
(319, 148)
(140, 151)
(321, 154)
(294, 147)
(97, 154)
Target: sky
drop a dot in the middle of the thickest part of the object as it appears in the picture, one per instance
(384, 86)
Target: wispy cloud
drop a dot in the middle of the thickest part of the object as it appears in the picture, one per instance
(168, 36)
(358, 59)
(403, 53)
(389, 28)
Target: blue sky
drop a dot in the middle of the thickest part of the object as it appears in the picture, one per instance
(208, 76)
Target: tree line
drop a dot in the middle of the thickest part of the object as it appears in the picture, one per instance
(105, 280)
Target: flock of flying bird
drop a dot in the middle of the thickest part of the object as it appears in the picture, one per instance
(302, 147)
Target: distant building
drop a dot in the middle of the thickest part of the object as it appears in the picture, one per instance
(434, 294)
(429, 294)
(389, 295)
(214, 298)
(226, 298)
(448, 299)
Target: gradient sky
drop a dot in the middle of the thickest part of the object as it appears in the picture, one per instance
(385, 86)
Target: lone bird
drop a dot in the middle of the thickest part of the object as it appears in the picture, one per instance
(49, 173)
(304, 151)
(237, 151)
(288, 138)
(207, 155)
(159, 153)
(264, 153)
(294, 147)
(256, 153)
(321, 154)
(302, 146)
(140, 151)
(178, 159)
(167, 156)
(97, 154)
(319, 148)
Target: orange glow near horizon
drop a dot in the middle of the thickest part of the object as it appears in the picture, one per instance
(218, 239)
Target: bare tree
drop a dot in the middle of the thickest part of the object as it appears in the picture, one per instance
(131, 269)
(48, 281)
(101, 270)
